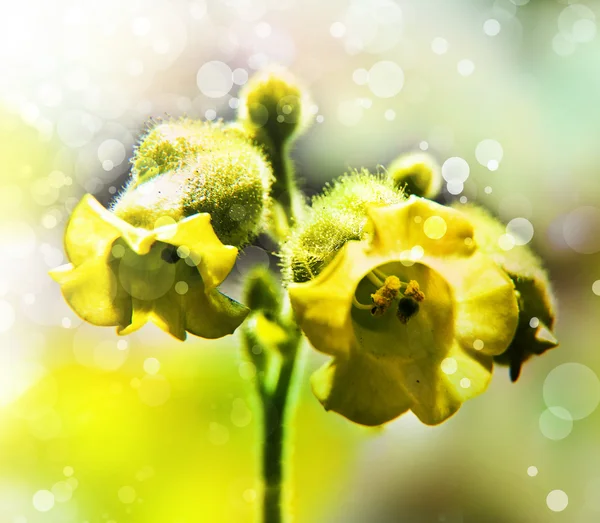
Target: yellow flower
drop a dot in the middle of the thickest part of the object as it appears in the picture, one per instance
(448, 311)
(125, 276)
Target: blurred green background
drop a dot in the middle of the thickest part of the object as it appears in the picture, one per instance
(145, 429)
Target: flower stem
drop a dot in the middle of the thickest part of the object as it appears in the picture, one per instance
(276, 364)
(275, 410)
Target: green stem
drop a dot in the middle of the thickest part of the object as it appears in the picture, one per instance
(284, 187)
(276, 400)
(275, 411)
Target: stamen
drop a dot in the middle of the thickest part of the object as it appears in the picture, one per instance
(389, 289)
(375, 280)
(379, 274)
(413, 291)
(385, 295)
(360, 305)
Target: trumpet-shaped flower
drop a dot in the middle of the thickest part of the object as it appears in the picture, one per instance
(125, 276)
(413, 315)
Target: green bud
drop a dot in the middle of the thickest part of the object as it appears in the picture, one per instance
(537, 305)
(273, 111)
(185, 168)
(272, 104)
(335, 217)
(168, 145)
(270, 335)
(263, 292)
(416, 173)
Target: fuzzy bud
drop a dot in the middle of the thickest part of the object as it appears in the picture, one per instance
(416, 173)
(184, 168)
(272, 103)
(336, 217)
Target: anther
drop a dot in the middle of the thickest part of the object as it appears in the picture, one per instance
(407, 308)
(385, 295)
(413, 291)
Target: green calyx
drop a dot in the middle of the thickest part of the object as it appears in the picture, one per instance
(183, 168)
(416, 173)
(537, 305)
(335, 217)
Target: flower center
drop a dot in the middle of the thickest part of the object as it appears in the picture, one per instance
(388, 290)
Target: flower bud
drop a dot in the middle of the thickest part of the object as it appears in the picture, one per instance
(336, 217)
(185, 168)
(168, 145)
(272, 103)
(416, 173)
(537, 305)
(262, 291)
(273, 111)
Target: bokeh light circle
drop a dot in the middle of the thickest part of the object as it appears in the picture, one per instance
(577, 23)
(151, 366)
(581, 230)
(555, 423)
(154, 390)
(455, 169)
(215, 79)
(111, 150)
(557, 500)
(43, 500)
(574, 388)
(491, 27)
(435, 227)
(386, 79)
(439, 45)
(465, 67)
(127, 494)
(487, 151)
(521, 230)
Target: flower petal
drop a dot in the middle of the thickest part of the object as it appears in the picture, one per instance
(438, 230)
(322, 305)
(213, 259)
(140, 315)
(92, 227)
(88, 232)
(168, 314)
(93, 292)
(210, 314)
(486, 306)
(438, 387)
(361, 388)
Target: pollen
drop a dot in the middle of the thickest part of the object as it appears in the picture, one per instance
(385, 295)
(413, 291)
